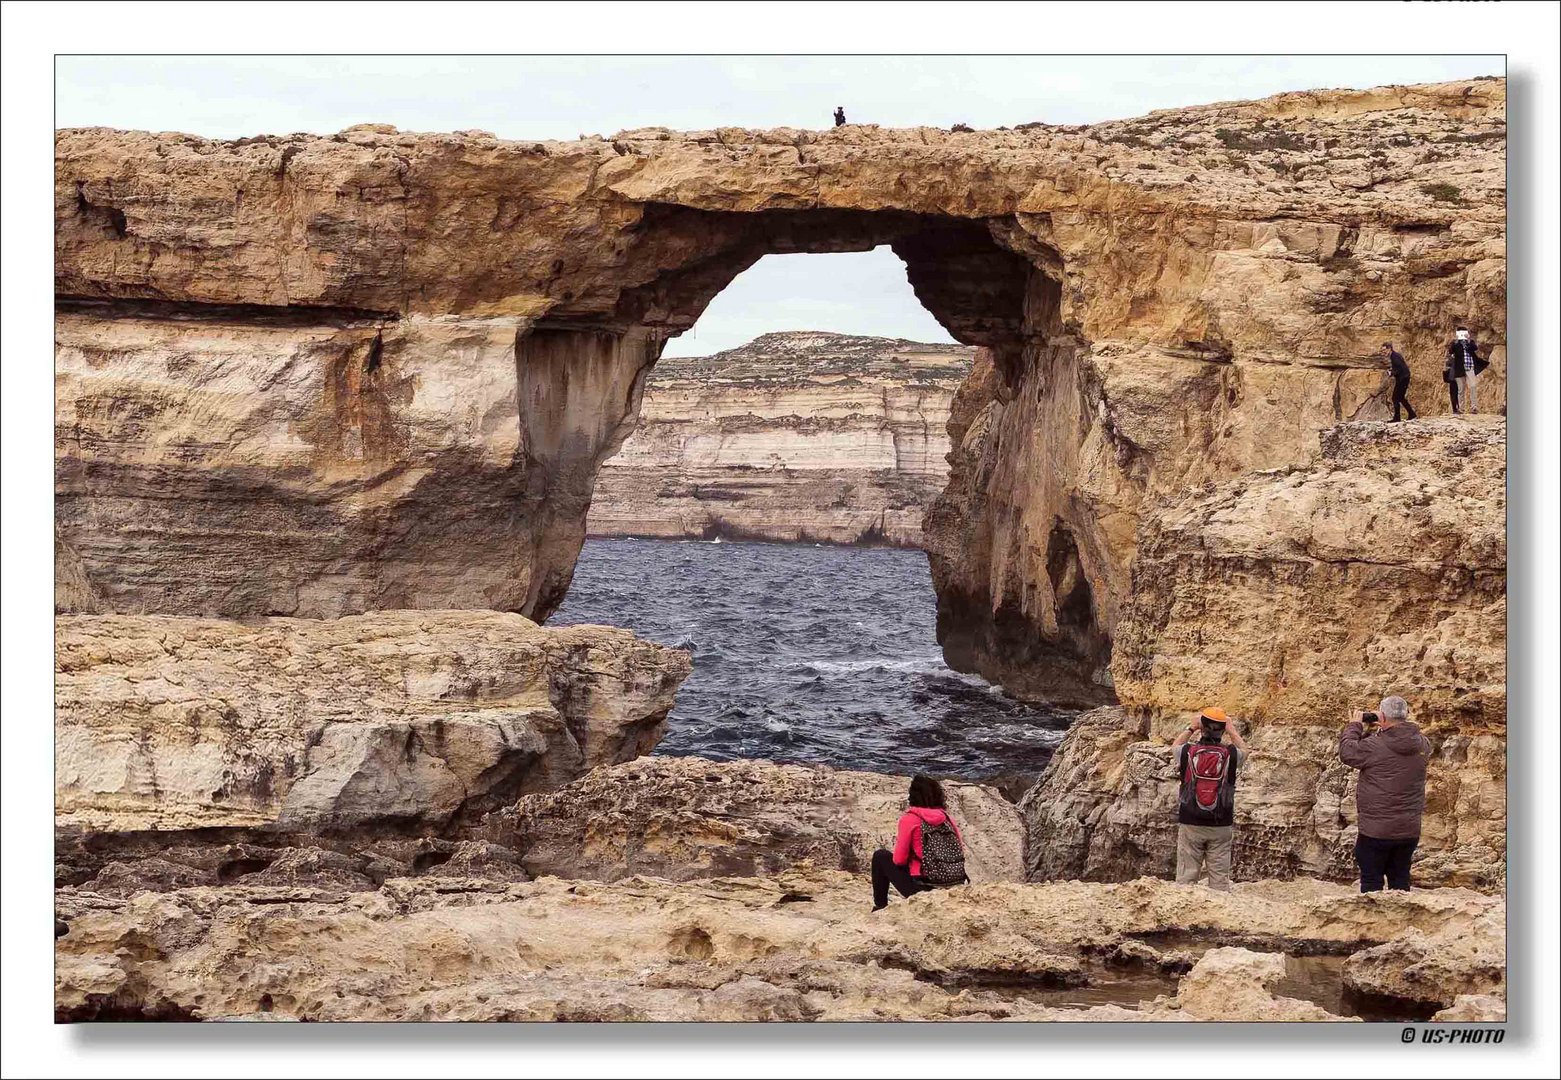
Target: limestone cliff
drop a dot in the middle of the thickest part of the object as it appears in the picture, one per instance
(377, 369)
(793, 436)
(1291, 597)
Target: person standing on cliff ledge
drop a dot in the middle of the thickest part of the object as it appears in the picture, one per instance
(1206, 803)
(1391, 755)
(840, 115)
(1463, 364)
(1400, 372)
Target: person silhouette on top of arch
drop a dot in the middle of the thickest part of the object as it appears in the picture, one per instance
(840, 115)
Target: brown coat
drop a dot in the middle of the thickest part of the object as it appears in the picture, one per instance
(1391, 794)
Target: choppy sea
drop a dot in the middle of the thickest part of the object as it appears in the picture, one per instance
(810, 654)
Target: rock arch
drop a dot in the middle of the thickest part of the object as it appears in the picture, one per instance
(989, 281)
(319, 375)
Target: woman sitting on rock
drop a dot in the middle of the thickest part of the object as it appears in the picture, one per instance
(928, 849)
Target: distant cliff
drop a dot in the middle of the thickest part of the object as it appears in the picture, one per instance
(794, 436)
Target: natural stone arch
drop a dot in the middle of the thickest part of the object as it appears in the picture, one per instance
(319, 375)
(988, 281)
(378, 370)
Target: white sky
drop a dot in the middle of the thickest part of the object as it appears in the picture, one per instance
(552, 97)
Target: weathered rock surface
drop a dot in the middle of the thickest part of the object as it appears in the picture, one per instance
(314, 376)
(685, 818)
(1243, 341)
(790, 947)
(794, 436)
(1472, 1009)
(1438, 967)
(1229, 983)
(1382, 565)
(391, 719)
(214, 461)
(124, 864)
(1289, 598)
(422, 347)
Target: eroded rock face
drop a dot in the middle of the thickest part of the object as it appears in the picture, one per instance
(686, 818)
(795, 436)
(1177, 298)
(358, 859)
(1465, 972)
(1383, 565)
(1291, 597)
(797, 946)
(1105, 809)
(391, 719)
(317, 376)
(230, 462)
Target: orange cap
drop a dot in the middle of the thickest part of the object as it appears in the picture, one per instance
(1217, 715)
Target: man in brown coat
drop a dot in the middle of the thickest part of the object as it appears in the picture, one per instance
(1391, 755)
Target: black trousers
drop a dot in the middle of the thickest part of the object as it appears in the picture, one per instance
(1400, 389)
(1452, 393)
(1380, 859)
(887, 872)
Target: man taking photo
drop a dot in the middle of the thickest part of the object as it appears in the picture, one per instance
(1206, 799)
(1391, 755)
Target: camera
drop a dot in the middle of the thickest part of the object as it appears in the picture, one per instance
(1369, 718)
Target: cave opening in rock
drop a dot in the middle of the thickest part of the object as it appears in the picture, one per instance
(991, 288)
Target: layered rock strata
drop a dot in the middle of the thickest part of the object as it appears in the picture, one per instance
(799, 436)
(798, 946)
(1380, 566)
(1291, 597)
(256, 461)
(402, 720)
(423, 347)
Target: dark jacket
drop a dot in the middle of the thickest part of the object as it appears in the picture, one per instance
(1462, 357)
(1396, 363)
(1390, 796)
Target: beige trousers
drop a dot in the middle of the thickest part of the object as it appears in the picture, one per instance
(1204, 847)
(1466, 393)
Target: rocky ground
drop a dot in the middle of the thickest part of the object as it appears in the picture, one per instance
(683, 889)
(794, 436)
(799, 945)
(686, 818)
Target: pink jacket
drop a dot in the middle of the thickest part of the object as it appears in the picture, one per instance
(907, 840)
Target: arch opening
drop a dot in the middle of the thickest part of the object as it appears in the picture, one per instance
(993, 283)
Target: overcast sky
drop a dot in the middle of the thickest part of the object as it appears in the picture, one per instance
(563, 97)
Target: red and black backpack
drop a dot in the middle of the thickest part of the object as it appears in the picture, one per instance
(1208, 793)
